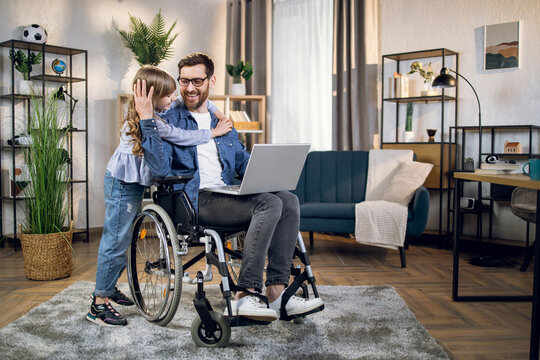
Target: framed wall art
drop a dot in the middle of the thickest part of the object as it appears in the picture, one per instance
(501, 46)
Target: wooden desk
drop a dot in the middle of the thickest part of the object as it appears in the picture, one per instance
(511, 180)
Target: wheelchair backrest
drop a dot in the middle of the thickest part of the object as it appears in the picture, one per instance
(179, 208)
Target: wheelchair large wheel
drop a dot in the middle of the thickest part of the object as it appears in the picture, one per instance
(218, 338)
(155, 265)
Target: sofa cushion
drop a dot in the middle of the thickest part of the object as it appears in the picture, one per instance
(400, 186)
(333, 177)
(327, 210)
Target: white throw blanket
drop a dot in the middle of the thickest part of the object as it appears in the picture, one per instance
(381, 223)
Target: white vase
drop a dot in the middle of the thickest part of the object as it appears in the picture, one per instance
(238, 89)
(428, 89)
(408, 136)
(24, 87)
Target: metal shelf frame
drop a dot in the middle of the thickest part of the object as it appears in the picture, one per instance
(398, 58)
(69, 54)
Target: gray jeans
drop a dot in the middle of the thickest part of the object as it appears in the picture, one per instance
(272, 220)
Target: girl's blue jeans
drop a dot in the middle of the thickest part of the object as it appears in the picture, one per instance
(122, 203)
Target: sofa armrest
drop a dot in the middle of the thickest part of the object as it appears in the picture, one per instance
(419, 208)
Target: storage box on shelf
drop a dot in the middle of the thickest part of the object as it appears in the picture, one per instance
(441, 153)
(12, 156)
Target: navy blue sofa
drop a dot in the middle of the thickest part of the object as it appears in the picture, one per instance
(332, 182)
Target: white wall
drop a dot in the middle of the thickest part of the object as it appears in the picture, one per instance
(89, 25)
(508, 96)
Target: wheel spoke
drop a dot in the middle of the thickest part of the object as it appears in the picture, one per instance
(150, 273)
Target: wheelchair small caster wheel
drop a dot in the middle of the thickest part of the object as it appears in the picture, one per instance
(219, 338)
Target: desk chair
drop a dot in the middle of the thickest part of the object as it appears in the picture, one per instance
(523, 205)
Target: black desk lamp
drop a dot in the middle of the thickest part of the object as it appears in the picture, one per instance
(61, 93)
(445, 80)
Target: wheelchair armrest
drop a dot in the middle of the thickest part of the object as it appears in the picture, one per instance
(170, 180)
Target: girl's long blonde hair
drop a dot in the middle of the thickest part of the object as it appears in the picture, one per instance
(163, 83)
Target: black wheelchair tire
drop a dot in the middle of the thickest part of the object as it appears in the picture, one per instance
(172, 289)
(220, 338)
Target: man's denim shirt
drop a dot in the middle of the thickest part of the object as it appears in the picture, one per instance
(166, 159)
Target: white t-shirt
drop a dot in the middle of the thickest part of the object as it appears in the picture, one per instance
(207, 154)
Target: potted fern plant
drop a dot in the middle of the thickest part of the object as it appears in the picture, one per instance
(23, 64)
(151, 44)
(45, 240)
(238, 72)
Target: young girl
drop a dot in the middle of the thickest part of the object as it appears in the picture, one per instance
(125, 179)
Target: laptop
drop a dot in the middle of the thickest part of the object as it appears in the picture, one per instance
(271, 167)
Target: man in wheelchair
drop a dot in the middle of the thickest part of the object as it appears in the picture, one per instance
(272, 219)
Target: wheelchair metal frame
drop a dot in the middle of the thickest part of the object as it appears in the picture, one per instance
(162, 233)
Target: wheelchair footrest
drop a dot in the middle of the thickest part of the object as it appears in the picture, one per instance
(236, 321)
(288, 318)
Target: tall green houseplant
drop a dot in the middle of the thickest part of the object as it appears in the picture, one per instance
(45, 158)
(46, 245)
(151, 44)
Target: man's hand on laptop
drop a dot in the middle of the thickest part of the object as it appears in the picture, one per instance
(222, 127)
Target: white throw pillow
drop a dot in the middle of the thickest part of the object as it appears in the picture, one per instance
(403, 182)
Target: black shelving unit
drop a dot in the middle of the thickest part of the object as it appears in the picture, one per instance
(445, 147)
(459, 135)
(9, 153)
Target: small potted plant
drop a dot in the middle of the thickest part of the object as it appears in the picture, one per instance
(45, 240)
(469, 164)
(239, 71)
(426, 74)
(408, 136)
(151, 44)
(23, 64)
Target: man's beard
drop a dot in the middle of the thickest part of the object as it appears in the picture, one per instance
(190, 105)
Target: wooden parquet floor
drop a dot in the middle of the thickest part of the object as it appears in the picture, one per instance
(467, 330)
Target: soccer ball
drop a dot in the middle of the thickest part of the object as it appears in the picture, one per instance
(35, 33)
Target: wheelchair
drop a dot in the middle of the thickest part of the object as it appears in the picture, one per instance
(163, 233)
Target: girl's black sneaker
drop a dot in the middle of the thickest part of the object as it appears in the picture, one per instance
(121, 299)
(105, 314)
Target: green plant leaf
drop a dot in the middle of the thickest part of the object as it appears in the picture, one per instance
(240, 70)
(22, 63)
(150, 44)
(46, 205)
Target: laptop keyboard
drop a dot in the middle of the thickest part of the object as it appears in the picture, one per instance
(227, 187)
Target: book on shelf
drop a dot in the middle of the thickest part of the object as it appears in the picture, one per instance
(239, 116)
(499, 166)
(493, 171)
(399, 86)
(235, 116)
(246, 116)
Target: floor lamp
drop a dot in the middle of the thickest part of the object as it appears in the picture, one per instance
(445, 80)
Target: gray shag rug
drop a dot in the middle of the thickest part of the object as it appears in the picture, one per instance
(358, 322)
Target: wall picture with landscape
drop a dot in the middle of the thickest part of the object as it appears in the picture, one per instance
(501, 46)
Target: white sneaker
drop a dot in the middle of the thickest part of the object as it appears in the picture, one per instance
(253, 308)
(296, 305)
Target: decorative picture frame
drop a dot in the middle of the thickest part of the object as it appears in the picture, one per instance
(501, 46)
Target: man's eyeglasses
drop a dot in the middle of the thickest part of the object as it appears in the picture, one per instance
(196, 81)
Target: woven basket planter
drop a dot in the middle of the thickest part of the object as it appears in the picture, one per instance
(47, 256)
